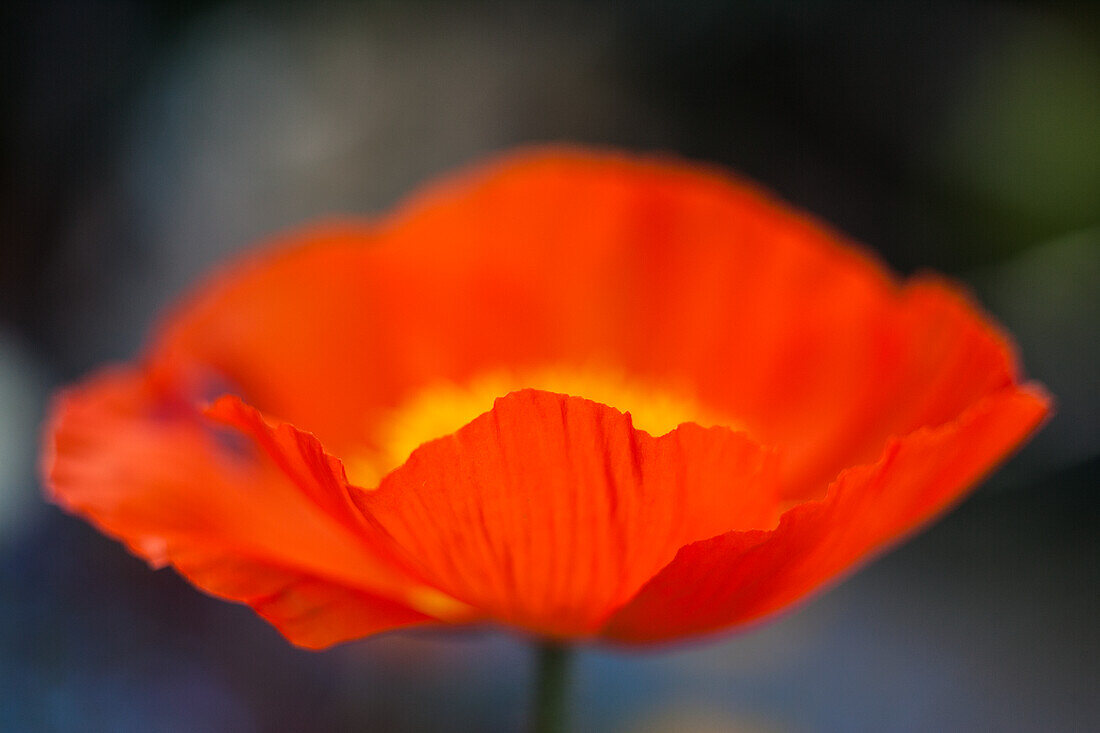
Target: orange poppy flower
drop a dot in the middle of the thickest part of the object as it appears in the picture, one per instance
(581, 395)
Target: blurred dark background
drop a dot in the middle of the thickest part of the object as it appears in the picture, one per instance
(142, 142)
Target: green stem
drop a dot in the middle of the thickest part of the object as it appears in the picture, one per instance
(553, 672)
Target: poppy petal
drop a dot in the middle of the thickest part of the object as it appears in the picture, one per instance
(311, 612)
(549, 511)
(152, 473)
(321, 477)
(289, 329)
(927, 356)
(299, 455)
(738, 577)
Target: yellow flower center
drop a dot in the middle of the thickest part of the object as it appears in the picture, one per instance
(441, 408)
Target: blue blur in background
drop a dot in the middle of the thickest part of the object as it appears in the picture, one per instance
(143, 142)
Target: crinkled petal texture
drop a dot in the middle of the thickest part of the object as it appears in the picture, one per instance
(850, 410)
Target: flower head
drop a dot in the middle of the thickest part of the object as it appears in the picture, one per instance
(582, 395)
